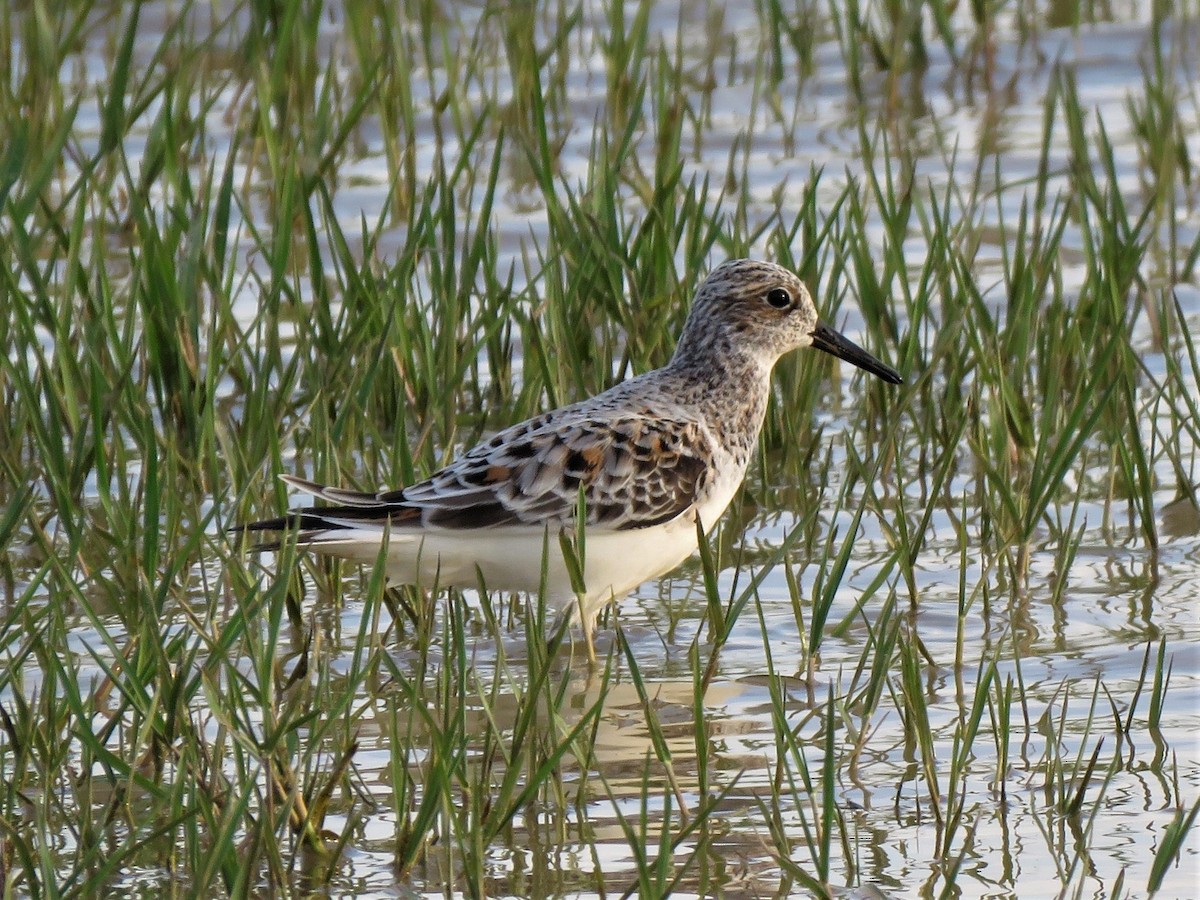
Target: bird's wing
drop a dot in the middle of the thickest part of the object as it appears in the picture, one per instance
(634, 472)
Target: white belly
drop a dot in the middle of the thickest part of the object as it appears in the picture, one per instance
(510, 559)
(513, 559)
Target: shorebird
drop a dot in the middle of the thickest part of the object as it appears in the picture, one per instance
(646, 461)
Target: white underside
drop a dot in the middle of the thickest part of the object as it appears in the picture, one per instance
(513, 559)
(508, 558)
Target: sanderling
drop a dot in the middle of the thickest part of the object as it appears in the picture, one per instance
(645, 461)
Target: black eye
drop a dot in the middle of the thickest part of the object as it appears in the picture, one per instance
(779, 298)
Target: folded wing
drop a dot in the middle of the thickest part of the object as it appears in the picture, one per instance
(633, 472)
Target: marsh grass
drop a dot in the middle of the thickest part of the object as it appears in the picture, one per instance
(350, 242)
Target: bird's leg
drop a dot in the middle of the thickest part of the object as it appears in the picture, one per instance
(587, 622)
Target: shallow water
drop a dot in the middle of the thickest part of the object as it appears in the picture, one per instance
(1121, 599)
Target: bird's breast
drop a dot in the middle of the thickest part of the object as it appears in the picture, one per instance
(728, 472)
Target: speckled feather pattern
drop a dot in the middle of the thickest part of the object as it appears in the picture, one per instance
(649, 456)
(637, 466)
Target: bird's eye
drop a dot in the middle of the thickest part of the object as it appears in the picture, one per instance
(779, 298)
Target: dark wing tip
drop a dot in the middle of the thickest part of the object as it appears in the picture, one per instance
(280, 524)
(283, 523)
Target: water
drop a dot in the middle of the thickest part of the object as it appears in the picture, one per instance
(1121, 599)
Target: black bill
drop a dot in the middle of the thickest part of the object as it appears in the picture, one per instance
(825, 338)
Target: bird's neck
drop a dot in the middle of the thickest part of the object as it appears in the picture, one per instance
(730, 384)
